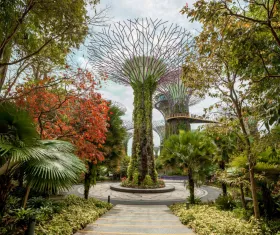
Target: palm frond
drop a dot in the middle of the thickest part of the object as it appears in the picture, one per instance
(60, 170)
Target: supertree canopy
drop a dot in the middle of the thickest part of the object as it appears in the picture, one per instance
(139, 53)
(174, 99)
(173, 96)
(117, 104)
(159, 127)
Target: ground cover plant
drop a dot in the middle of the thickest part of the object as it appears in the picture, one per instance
(207, 219)
(52, 217)
(146, 184)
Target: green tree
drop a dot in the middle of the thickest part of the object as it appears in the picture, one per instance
(47, 30)
(47, 165)
(216, 68)
(225, 141)
(194, 150)
(113, 146)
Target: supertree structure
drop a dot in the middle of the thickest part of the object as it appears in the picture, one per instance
(159, 128)
(156, 150)
(128, 125)
(138, 53)
(174, 99)
(127, 138)
(117, 104)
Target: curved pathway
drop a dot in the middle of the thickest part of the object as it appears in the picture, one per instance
(102, 191)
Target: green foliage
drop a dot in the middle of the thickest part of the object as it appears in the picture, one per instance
(77, 217)
(63, 217)
(135, 180)
(225, 202)
(148, 181)
(197, 200)
(207, 220)
(146, 184)
(190, 149)
(113, 147)
(142, 158)
(47, 165)
(242, 213)
(41, 32)
(124, 166)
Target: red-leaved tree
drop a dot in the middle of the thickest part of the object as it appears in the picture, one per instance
(71, 110)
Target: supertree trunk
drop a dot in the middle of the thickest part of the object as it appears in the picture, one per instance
(175, 125)
(142, 159)
(138, 53)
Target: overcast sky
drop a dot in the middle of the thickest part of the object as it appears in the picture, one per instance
(167, 10)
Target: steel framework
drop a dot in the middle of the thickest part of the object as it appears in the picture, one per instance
(119, 105)
(140, 53)
(159, 128)
(173, 99)
(131, 51)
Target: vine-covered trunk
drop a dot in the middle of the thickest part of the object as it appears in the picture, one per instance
(175, 125)
(142, 160)
(191, 185)
(90, 178)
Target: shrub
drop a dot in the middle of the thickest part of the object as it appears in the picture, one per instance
(148, 181)
(135, 178)
(197, 200)
(242, 213)
(225, 202)
(65, 217)
(205, 220)
(77, 213)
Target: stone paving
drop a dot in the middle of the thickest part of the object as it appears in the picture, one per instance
(102, 191)
(137, 220)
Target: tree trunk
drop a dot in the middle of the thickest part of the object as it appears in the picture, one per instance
(222, 166)
(254, 191)
(250, 161)
(267, 201)
(224, 188)
(175, 125)
(26, 196)
(242, 196)
(191, 185)
(90, 178)
(142, 159)
(4, 58)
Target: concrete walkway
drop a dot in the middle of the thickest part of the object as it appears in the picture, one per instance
(137, 220)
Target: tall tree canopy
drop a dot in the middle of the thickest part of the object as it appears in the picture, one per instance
(73, 110)
(41, 30)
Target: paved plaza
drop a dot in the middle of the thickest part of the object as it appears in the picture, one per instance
(102, 191)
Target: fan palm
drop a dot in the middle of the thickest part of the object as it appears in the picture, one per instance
(48, 165)
(193, 150)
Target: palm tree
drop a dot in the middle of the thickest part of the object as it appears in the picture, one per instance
(193, 150)
(47, 165)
